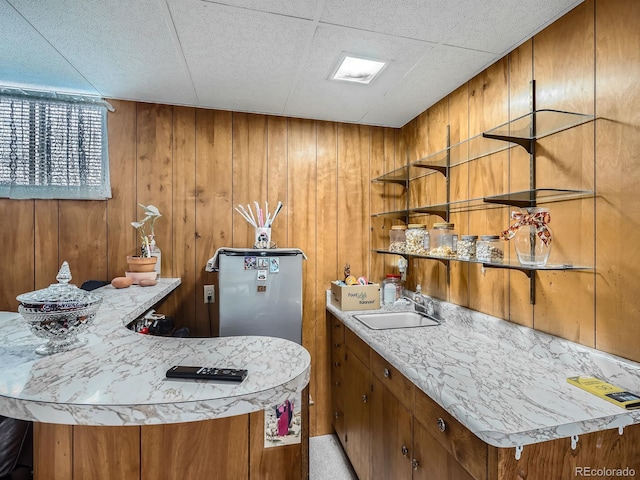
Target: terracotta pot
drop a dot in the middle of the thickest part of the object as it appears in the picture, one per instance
(141, 264)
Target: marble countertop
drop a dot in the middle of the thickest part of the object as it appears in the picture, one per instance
(506, 383)
(118, 378)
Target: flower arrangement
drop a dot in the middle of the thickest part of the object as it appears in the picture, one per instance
(151, 213)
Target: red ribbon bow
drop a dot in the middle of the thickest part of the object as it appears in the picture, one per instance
(538, 220)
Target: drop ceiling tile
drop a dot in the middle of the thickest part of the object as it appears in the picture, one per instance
(27, 60)
(292, 8)
(124, 48)
(512, 22)
(441, 71)
(240, 59)
(428, 20)
(314, 93)
(270, 56)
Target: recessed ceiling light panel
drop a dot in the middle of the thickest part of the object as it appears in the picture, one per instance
(357, 69)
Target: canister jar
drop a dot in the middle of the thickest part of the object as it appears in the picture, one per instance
(489, 248)
(415, 239)
(397, 239)
(444, 240)
(466, 248)
(391, 288)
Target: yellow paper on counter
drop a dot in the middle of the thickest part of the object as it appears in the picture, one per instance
(611, 393)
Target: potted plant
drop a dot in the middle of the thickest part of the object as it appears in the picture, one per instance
(150, 253)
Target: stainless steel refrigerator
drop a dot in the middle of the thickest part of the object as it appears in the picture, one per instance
(260, 292)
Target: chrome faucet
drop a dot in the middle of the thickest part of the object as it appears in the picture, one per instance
(421, 303)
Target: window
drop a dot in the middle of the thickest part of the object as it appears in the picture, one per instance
(53, 146)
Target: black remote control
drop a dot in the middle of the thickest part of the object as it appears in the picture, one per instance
(206, 373)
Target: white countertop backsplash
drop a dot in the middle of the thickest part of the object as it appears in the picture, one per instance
(504, 382)
(118, 378)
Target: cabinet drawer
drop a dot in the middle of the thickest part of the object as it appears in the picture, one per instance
(357, 346)
(464, 446)
(389, 376)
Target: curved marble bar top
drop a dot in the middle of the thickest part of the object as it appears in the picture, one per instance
(506, 383)
(118, 378)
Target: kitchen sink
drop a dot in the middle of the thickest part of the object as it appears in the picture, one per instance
(387, 320)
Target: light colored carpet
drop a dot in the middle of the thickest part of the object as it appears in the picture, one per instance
(327, 460)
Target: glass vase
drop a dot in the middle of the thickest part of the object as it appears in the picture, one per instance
(154, 250)
(532, 240)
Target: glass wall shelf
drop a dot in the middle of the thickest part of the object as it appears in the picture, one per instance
(395, 215)
(514, 265)
(543, 122)
(523, 131)
(405, 174)
(523, 199)
(515, 132)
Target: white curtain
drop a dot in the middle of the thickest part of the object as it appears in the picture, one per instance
(53, 146)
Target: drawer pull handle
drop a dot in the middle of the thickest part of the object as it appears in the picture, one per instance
(364, 399)
(335, 364)
(337, 345)
(336, 325)
(415, 464)
(404, 450)
(442, 426)
(337, 383)
(386, 373)
(337, 414)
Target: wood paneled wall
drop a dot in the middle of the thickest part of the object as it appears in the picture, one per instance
(196, 164)
(587, 62)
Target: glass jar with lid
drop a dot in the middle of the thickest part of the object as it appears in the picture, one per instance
(444, 240)
(391, 288)
(397, 239)
(415, 238)
(59, 313)
(466, 248)
(489, 248)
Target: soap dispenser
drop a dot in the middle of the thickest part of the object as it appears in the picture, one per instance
(417, 297)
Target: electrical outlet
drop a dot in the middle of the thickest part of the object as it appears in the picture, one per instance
(209, 294)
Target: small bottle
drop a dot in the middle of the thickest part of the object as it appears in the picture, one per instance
(417, 297)
(154, 250)
(426, 242)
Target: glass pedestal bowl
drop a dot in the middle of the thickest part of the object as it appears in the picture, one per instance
(59, 313)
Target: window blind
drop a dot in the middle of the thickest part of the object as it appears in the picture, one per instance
(53, 146)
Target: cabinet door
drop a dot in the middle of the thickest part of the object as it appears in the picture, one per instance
(337, 376)
(391, 435)
(357, 379)
(431, 461)
(467, 449)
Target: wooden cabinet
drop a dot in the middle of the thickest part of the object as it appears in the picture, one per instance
(392, 430)
(337, 376)
(391, 421)
(432, 460)
(391, 434)
(229, 448)
(357, 418)
(457, 441)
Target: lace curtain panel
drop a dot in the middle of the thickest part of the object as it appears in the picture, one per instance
(53, 146)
